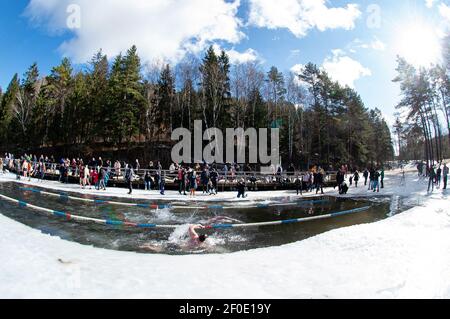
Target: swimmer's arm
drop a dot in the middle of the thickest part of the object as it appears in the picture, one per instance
(192, 231)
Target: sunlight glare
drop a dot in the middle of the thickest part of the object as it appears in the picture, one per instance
(419, 44)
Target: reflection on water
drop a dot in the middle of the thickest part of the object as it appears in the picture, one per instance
(177, 241)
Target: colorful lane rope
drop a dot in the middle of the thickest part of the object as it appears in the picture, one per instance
(298, 203)
(69, 217)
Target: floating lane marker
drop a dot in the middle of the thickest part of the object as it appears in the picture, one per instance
(293, 221)
(146, 225)
(68, 216)
(114, 222)
(216, 207)
(65, 196)
(59, 214)
(222, 226)
(22, 204)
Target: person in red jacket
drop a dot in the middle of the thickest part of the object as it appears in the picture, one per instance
(94, 175)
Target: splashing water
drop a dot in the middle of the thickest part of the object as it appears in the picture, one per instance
(164, 216)
(179, 235)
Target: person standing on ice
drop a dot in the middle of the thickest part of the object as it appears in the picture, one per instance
(319, 182)
(214, 176)
(181, 180)
(438, 176)
(192, 182)
(371, 178)
(356, 178)
(445, 175)
(375, 181)
(87, 176)
(147, 181)
(432, 178)
(41, 174)
(205, 180)
(129, 173)
(382, 177)
(162, 183)
(81, 175)
(366, 176)
(299, 184)
(241, 188)
(340, 178)
(95, 177)
(102, 179)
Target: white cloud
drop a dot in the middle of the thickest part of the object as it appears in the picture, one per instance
(444, 10)
(375, 44)
(236, 57)
(248, 55)
(299, 16)
(430, 3)
(161, 29)
(344, 69)
(297, 69)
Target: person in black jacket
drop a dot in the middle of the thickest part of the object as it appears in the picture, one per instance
(147, 181)
(340, 178)
(299, 184)
(356, 178)
(214, 176)
(319, 181)
(344, 189)
(376, 180)
(241, 189)
(371, 178)
(366, 176)
(432, 176)
(129, 175)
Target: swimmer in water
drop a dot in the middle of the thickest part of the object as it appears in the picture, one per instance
(194, 236)
(196, 239)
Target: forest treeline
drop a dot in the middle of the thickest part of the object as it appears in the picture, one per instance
(423, 123)
(121, 105)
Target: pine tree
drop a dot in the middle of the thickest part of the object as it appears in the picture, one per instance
(215, 89)
(96, 109)
(166, 93)
(24, 105)
(275, 95)
(6, 112)
(126, 96)
(59, 86)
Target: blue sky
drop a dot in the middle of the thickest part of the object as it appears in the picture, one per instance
(356, 41)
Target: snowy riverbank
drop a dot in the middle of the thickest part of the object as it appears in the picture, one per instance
(406, 256)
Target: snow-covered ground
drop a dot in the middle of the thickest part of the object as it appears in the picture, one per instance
(406, 256)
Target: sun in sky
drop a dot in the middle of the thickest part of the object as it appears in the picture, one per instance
(419, 42)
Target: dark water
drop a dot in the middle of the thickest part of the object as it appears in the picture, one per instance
(175, 241)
